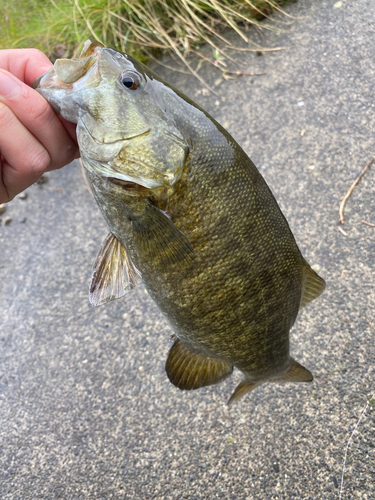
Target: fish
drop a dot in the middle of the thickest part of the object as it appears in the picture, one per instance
(190, 217)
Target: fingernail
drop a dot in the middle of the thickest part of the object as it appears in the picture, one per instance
(9, 85)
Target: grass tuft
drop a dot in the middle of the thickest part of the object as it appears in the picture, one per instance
(142, 28)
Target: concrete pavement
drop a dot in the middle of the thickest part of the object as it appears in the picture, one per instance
(86, 409)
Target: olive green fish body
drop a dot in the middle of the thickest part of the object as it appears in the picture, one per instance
(189, 215)
(240, 299)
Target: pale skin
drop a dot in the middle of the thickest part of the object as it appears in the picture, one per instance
(33, 138)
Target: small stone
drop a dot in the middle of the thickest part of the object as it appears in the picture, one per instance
(2, 208)
(22, 220)
(7, 220)
(22, 196)
(276, 467)
(42, 180)
(335, 481)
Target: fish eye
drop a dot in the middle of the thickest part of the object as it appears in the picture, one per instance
(130, 80)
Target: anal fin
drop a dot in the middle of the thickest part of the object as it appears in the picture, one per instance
(189, 370)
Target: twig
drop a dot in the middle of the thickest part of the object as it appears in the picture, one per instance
(347, 196)
(350, 439)
(260, 49)
(242, 73)
(369, 322)
(343, 272)
(368, 223)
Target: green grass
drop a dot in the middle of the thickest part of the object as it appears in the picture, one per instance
(143, 28)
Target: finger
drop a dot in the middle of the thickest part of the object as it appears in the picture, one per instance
(70, 127)
(24, 159)
(36, 115)
(24, 64)
(27, 65)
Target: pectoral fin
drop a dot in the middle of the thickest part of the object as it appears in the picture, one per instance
(189, 370)
(313, 285)
(114, 273)
(160, 240)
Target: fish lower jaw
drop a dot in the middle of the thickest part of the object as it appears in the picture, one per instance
(106, 171)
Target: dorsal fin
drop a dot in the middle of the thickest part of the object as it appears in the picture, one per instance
(114, 273)
(313, 285)
(189, 370)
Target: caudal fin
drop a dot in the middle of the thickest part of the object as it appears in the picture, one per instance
(296, 373)
(243, 388)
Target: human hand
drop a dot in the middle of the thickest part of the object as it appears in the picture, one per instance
(33, 138)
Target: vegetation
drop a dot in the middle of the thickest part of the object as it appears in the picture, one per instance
(143, 28)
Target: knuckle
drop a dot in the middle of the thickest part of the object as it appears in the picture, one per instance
(42, 114)
(40, 163)
(6, 115)
(68, 153)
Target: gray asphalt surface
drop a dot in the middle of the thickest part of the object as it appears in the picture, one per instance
(86, 409)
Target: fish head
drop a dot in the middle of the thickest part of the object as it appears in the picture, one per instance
(126, 126)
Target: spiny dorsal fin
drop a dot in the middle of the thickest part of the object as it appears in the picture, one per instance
(114, 273)
(243, 388)
(160, 239)
(313, 285)
(296, 373)
(189, 370)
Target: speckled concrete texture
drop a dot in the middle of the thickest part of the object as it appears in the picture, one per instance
(86, 410)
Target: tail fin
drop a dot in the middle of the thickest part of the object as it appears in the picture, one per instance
(296, 373)
(243, 388)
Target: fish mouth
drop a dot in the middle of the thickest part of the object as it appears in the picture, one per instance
(131, 188)
(73, 74)
(118, 177)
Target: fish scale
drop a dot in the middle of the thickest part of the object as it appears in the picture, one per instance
(190, 216)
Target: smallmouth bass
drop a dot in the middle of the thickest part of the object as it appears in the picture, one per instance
(190, 216)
